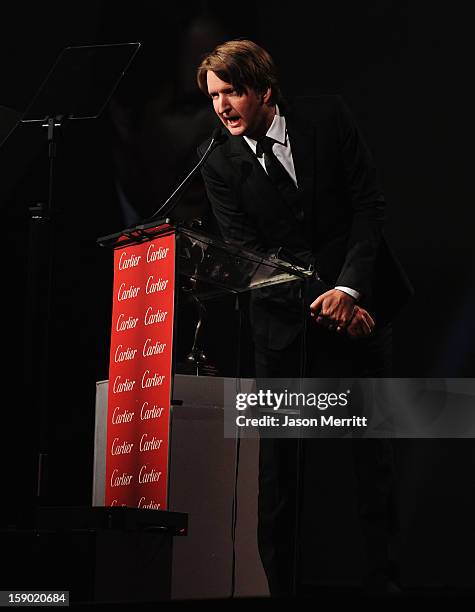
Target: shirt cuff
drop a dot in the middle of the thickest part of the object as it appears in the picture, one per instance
(354, 294)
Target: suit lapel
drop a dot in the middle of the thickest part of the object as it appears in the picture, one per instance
(273, 211)
(302, 143)
(253, 177)
(250, 171)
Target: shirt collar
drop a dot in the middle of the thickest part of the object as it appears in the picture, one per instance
(277, 131)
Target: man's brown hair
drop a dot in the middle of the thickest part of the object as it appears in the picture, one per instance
(243, 64)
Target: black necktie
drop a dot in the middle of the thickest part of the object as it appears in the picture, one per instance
(276, 171)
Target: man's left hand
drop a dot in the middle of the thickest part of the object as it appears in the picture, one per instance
(333, 309)
(361, 325)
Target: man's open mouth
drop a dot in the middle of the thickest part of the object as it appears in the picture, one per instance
(232, 121)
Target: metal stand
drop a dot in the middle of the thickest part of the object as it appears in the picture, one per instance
(67, 93)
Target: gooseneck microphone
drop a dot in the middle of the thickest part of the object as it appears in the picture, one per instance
(217, 138)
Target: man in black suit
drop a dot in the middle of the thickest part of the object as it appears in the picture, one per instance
(299, 181)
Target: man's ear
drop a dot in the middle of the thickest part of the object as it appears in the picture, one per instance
(266, 95)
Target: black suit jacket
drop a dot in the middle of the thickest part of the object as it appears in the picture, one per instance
(335, 222)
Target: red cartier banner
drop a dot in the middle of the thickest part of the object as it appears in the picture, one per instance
(140, 375)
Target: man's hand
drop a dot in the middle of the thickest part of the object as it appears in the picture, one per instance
(333, 309)
(361, 324)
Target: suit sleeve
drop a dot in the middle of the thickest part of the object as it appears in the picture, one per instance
(367, 202)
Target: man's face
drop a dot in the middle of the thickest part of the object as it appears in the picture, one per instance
(248, 114)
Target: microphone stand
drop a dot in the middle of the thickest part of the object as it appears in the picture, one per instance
(196, 358)
(217, 138)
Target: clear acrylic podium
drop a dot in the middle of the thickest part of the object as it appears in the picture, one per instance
(223, 267)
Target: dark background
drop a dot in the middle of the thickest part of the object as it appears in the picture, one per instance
(405, 74)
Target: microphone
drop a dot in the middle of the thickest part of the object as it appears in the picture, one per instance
(218, 135)
(217, 138)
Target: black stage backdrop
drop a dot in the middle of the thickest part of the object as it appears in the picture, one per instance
(404, 73)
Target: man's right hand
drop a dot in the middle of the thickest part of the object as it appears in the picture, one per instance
(361, 324)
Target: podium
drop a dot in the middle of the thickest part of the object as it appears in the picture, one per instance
(149, 260)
